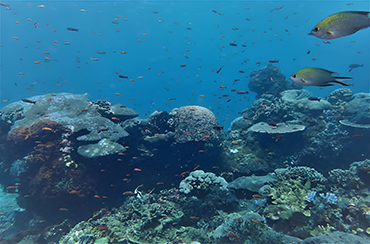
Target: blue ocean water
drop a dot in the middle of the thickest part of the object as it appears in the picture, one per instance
(172, 33)
(290, 164)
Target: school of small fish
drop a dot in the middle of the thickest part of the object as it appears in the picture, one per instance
(335, 26)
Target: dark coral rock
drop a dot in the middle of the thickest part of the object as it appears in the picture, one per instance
(305, 173)
(195, 123)
(269, 80)
(44, 131)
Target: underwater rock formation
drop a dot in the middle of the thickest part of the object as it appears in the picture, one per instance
(358, 111)
(302, 172)
(69, 110)
(279, 128)
(103, 148)
(269, 80)
(199, 180)
(195, 123)
(252, 183)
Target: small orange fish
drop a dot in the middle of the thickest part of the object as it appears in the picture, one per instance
(235, 143)
(21, 73)
(115, 118)
(202, 96)
(121, 153)
(206, 136)
(194, 217)
(257, 196)
(47, 128)
(55, 42)
(201, 151)
(67, 43)
(95, 59)
(74, 192)
(233, 235)
(17, 22)
(222, 86)
(196, 167)
(63, 209)
(257, 222)
(215, 167)
(46, 115)
(12, 187)
(36, 62)
(16, 38)
(160, 183)
(357, 135)
(140, 77)
(184, 173)
(29, 19)
(96, 196)
(137, 169)
(118, 94)
(191, 109)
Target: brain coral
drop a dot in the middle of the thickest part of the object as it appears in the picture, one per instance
(195, 123)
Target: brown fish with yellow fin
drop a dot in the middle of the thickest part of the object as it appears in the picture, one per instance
(316, 77)
(341, 24)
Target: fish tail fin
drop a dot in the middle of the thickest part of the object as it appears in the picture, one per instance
(342, 77)
(362, 65)
(342, 83)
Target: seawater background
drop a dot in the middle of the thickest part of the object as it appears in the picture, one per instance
(162, 50)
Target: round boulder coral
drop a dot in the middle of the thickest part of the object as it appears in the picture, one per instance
(195, 123)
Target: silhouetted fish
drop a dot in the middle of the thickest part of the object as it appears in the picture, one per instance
(28, 101)
(314, 99)
(352, 66)
(72, 29)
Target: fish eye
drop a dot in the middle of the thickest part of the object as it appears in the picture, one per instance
(294, 76)
(316, 29)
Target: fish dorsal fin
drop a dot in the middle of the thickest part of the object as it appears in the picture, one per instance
(365, 13)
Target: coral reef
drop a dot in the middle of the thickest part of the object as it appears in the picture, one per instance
(302, 173)
(269, 80)
(199, 180)
(195, 123)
